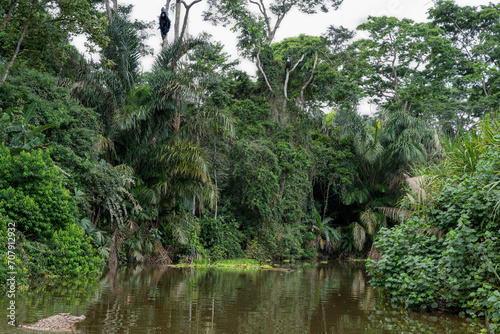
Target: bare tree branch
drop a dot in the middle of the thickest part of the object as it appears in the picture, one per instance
(285, 86)
(18, 47)
(12, 3)
(298, 62)
(259, 66)
(302, 100)
(184, 24)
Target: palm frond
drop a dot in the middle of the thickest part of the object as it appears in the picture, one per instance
(184, 159)
(355, 195)
(359, 236)
(417, 185)
(397, 214)
(107, 145)
(180, 226)
(369, 220)
(136, 109)
(171, 54)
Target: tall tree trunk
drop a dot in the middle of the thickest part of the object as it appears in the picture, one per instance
(18, 47)
(487, 92)
(109, 10)
(167, 7)
(194, 205)
(177, 19)
(326, 199)
(285, 86)
(215, 180)
(177, 123)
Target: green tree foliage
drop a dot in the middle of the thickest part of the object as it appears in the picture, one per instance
(395, 55)
(262, 27)
(443, 71)
(384, 150)
(321, 75)
(43, 23)
(474, 69)
(257, 180)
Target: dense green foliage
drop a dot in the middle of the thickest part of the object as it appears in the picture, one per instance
(447, 254)
(43, 214)
(196, 159)
(33, 194)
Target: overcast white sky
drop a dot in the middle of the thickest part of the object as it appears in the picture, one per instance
(350, 14)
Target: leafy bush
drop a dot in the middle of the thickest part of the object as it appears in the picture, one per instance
(454, 272)
(32, 194)
(221, 238)
(54, 106)
(447, 255)
(281, 242)
(72, 254)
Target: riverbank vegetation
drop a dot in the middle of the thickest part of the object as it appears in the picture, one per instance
(196, 159)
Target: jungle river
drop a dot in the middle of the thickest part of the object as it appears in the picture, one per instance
(333, 298)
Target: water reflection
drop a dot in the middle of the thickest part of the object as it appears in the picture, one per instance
(310, 299)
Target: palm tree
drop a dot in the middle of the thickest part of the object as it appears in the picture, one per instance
(141, 122)
(385, 149)
(327, 237)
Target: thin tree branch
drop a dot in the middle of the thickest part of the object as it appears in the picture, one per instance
(18, 47)
(262, 9)
(259, 66)
(177, 19)
(298, 62)
(302, 100)
(285, 86)
(184, 24)
(108, 11)
(9, 13)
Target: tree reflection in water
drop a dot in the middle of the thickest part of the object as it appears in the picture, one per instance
(311, 299)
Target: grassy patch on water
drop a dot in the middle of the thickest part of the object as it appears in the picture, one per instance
(240, 264)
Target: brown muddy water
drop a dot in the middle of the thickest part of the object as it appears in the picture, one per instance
(334, 298)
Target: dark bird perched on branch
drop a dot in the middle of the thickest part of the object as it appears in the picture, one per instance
(288, 64)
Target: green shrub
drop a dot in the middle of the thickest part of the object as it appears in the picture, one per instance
(32, 194)
(454, 272)
(222, 239)
(447, 255)
(281, 242)
(72, 254)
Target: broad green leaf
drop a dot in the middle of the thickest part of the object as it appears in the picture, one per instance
(42, 128)
(30, 112)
